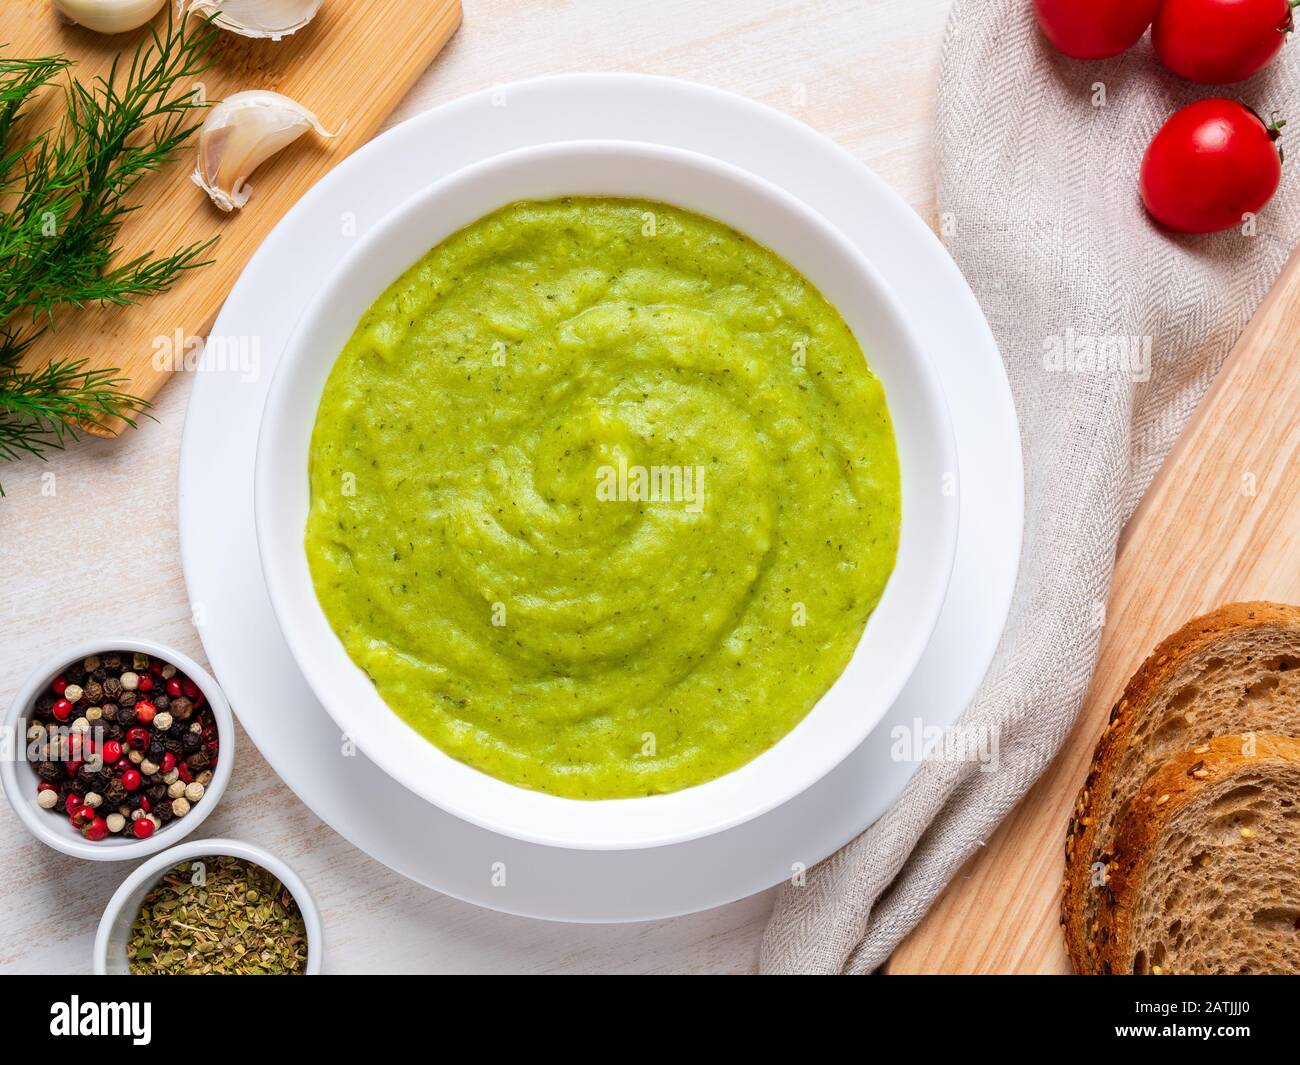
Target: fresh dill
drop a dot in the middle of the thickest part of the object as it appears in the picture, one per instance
(63, 199)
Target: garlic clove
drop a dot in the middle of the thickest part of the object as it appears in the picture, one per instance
(109, 16)
(255, 18)
(240, 134)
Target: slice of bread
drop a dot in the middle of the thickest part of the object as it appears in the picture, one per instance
(1207, 865)
(1232, 671)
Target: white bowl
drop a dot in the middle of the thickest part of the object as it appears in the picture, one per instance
(19, 777)
(894, 637)
(114, 932)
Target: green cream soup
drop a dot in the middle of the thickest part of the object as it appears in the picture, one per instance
(602, 496)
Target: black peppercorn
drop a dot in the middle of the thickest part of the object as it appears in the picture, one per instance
(49, 771)
(156, 751)
(157, 793)
(112, 689)
(181, 708)
(127, 699)
(100, 674)
(191, 741)
(161, 703)
(164, 812)
(112, 662)
(88, 774)
(114, 792)
(133, 800)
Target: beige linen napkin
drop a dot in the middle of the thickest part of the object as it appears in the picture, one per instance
(1038, 158)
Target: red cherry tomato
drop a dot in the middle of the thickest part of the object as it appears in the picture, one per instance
(1094, 29)
(1212, 163)
(1220, 41)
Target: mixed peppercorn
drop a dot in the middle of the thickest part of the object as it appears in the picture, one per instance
(123, 743)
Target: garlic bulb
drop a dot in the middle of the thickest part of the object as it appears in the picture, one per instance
(240, 134)
(109, 16)
(255, 18)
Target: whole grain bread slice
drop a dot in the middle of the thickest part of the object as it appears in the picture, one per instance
(1207, 865)
(1231, 671)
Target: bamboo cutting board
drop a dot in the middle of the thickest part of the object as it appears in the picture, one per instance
(1221, 524)
(352, 65)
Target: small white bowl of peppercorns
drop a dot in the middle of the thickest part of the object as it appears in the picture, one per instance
(119, 748)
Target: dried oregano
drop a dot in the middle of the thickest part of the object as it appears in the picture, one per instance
(218, 915)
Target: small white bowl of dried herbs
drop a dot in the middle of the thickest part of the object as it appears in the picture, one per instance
(211, 907)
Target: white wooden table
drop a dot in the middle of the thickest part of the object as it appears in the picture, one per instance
(88, 541)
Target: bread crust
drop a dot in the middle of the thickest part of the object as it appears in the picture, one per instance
(1081, 847)
(1166, 791)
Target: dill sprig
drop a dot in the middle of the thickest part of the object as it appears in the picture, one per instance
(41, 407)
(64, 192)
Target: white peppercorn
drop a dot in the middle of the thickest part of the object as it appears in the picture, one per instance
(205, 778)
(176, 789)
(162, 722)
(93, 799)
(47, 800)
(130, 681)
(73, 692)
(180, 807)
(116, 822)
(148, 768)
(94, 713)
(172, 776)
(194, 791)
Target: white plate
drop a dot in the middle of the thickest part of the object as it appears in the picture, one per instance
(219, 549)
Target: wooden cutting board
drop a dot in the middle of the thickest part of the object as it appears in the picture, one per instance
(352, 65)
(1221, 523)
